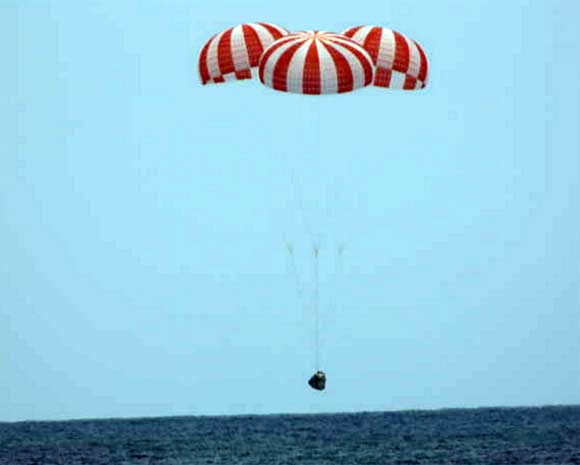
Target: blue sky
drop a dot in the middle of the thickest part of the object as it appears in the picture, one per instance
(144, 217)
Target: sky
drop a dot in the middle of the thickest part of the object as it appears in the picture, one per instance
(145, 218)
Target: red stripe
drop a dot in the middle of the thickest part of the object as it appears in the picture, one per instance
(402, 56)
(224, 52)
(352, 31)
(276, 34)
(362, 58)
(311, 73)
(266, 56)
(280, 72)
(344, 75)
(244, 74)
(372, 43)
(423, 66)
(383, 77)
(203, 68)
(253, 45)
(410, 82)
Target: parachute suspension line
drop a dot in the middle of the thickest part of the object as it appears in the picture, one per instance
(294, 268)
(316, 251)
(300, 200)
(298, 197)
(338, 276)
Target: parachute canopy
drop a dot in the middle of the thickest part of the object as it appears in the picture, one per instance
(315, 62)
(233, 53)
(400, 62)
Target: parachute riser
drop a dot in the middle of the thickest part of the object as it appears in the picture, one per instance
(316, 254)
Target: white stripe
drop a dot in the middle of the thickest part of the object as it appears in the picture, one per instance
(358, 74)
(397, 80)
(228, 77)
(328, 77)
(265, 36)
(297, 35)
(361, 35)
(295, 75)
(273, 60)
(239, 49)
(423, 63)
(212, 56)
(343, 40)
(350, 43)
(386, 55)
(414, 58)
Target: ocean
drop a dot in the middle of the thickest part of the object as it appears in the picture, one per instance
(539, 435)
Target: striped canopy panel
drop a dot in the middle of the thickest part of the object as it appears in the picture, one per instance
(315, 62)
(400, 63)
(233, 53)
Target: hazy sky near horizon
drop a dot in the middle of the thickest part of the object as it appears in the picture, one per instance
(144, 217)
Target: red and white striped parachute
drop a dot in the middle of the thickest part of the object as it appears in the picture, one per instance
(400, 63)
(233, 53)
(315, 62)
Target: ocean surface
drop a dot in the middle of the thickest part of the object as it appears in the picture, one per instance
(545, 435)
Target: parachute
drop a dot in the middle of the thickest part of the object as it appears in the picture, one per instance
(314, 63)
(233, 53)
(400, 62)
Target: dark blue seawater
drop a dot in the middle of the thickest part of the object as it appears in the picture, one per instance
(547, 435)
